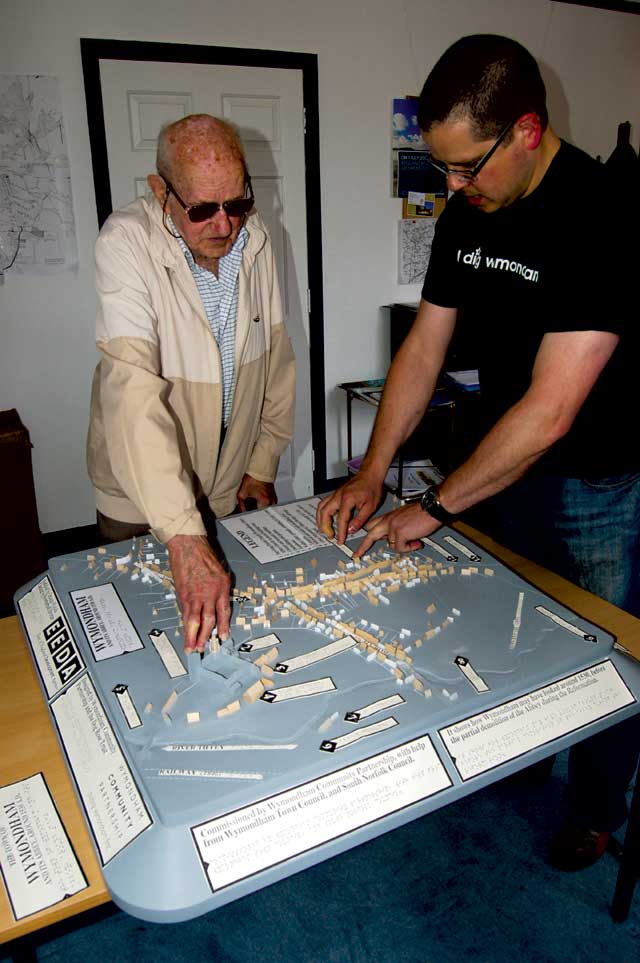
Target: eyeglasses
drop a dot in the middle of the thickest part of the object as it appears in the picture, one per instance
(469, 174)
(197, 213)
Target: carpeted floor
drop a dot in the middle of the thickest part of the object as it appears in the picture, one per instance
(467, 883)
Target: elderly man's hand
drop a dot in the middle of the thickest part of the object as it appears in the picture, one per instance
(263, 493)
(203, 588)
(361, 494)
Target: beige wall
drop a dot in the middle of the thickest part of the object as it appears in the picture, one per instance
(369, 51)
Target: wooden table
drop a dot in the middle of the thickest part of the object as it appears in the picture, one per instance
(30, 744)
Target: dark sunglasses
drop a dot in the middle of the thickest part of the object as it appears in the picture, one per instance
(236, 207)
(469, 173)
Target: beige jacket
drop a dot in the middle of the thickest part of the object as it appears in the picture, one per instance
(156, 402)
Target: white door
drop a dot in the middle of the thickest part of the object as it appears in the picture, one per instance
(266, 106)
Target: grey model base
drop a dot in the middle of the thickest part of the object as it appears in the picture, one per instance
(204, 780)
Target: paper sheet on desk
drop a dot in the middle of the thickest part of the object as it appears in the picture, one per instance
(416, 475)
(39, 866)
(280, 531)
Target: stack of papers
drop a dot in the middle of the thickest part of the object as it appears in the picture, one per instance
(467, 380)
(416, 475)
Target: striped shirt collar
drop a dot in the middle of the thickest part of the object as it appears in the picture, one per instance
(238, 247)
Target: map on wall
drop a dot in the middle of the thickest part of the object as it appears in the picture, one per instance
(414, 249)
(37, 227)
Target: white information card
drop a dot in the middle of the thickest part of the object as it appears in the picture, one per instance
(54, 647)
(281, 531)
(39, 866)
(114, 806)
(105, 621)
(251, 839)
(490, 738)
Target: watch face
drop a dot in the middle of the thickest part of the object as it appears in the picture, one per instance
(431, 503)
(429, 499)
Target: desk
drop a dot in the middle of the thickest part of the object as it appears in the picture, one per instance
(434, 437)
(30, 746)
(33, 746)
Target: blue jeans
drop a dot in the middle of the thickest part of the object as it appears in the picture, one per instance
(587, 530)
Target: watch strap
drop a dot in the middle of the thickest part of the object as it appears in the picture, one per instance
(430, 503)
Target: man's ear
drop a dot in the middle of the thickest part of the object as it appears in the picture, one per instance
(530, 129)
(158, 186)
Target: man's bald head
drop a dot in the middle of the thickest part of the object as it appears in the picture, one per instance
(201, 162)
(197, 142)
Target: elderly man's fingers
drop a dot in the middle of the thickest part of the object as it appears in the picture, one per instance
(223, 616)
(207, 624)
(191, 627)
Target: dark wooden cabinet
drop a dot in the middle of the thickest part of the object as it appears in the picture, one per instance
(462, 353)
(21, 554)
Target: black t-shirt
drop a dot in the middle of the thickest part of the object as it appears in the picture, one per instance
(556, 260)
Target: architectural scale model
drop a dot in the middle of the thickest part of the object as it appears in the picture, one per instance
(350, 697)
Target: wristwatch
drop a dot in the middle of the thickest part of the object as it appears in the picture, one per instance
(430, 502)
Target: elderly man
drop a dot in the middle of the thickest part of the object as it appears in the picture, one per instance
(192, 401)
(551, 297)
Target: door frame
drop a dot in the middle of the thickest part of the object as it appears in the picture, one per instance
(95, 50)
